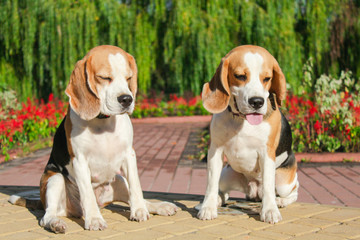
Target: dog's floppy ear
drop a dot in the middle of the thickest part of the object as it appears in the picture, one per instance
(133, 80)
(216, 93)
(82, 91)
(278, 83)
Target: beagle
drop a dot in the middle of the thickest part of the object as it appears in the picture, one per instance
(93, 143)
(248, 128)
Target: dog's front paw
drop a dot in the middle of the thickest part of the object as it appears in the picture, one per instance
(270, 215)
(166, 209)
(54, 224)
(141, 214)
(207, 213)
(95, 224)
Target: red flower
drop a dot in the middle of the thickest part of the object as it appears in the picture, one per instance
(51, 97)
(351, 104)
(192, 101)
(317, 126)
(312, 111)
(347, 129)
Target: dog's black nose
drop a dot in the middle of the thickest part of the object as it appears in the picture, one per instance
(125, 100)
(256, 102)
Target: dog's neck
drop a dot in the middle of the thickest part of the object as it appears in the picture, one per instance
(102, 116)
(235, 114)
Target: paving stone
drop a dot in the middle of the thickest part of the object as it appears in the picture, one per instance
(11, 209)
(199, 224)
(247, 237)
(232, 217)
(110, 221)
(187, 203)
(26, 225)
(4, 197)
(269, 235)
(292, 229)
(71, 236)
(74, 224)
(197, 235)
(225, 230)
(340, 214)
(131, 226)
(355, 222)
(100, 234)
(286, 218)
(141, 235)
(314, 222)
(175, 228)
(180, 215)
(122, 217)
(44, 232)
(317, 236)
(25, 235)
(306, 210)
(343, 230)
(250, 224)
(21, 216)
(5, 220)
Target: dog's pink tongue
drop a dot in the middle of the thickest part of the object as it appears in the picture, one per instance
(254, 119)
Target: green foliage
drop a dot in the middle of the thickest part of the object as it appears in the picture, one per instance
(177, 44)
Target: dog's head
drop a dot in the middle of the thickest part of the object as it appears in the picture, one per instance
(243, 80)
(104, 81)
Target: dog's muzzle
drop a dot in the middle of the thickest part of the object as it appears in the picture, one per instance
(125, 100)
(256, 102)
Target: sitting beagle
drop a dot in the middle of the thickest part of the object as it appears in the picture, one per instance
(248, 128)
(92, 144)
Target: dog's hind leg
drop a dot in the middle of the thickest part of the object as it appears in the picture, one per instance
(286, 184)
(53, 197)
(120, 189)
(231, 180)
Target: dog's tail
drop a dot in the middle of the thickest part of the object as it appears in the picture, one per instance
(23, 201)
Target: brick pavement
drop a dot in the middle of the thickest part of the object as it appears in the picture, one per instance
(161, 149)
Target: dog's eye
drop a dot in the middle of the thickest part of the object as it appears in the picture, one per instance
(240, 77)
(105, 78)
(128, 79)
(267, 79)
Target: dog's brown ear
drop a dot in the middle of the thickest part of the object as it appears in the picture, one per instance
(133, 79)
(216, 93)
(82, 91)
(278, 83)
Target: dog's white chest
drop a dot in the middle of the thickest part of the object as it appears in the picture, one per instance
(105, 156)
(104, 147)
(244, 148)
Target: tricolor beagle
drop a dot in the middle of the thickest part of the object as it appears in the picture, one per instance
(92, 144)
(248, 128)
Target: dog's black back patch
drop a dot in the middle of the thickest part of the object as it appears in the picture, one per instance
(285, 143)
(59, 156)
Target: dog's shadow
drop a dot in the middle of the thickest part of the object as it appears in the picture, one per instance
(33, 193)
(236, 208)
(175, 198)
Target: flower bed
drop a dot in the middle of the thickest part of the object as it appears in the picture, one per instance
(329, 119)
(29, 121)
